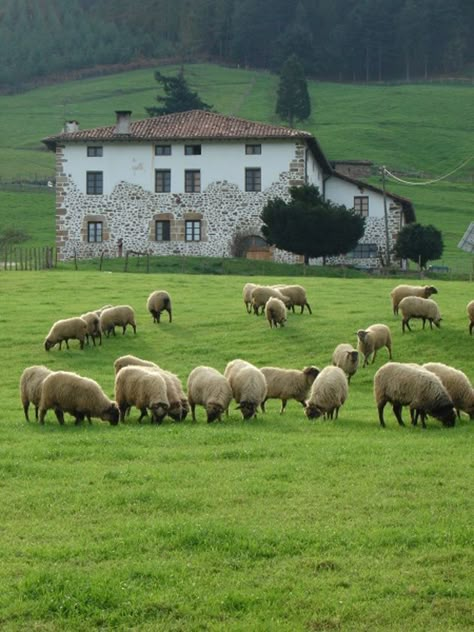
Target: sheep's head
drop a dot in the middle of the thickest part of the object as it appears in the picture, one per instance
(175, 411)
(214, 411)
(354, 356)
(248, 409)
(362, 334)
(111, 414)
(446, 415)
(312, 411)
(48, 344)
(158, 411)
(429, 290)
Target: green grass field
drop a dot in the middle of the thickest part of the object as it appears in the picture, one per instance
(277, 523)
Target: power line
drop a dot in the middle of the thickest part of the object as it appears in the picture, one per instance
(394, 177)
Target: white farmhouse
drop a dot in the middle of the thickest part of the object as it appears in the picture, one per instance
(192, 183)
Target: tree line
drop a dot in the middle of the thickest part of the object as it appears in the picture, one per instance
(346, 40)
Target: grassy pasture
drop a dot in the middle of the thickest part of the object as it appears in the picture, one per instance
(274, 524)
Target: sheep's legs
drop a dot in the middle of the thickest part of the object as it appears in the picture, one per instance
(397, 411)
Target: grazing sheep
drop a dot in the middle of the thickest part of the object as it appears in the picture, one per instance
(93, 327)
(328, 393)
(178, 402)
(416, 307)
(372, 339)
(209, 388)
(31, 381)
(129, 360)
(413, 386)
(143, 388)
(65, 330)
(81, 397)
(399, 292)
(120, 316)
(457, 384)
(470, 313)
(158, 302)
(288, 384)
(297, 295)
(275, 312)
(247, 296)
(346, 358)
(248, 385)
(262, 293)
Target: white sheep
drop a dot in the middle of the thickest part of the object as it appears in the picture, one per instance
(247, 296)
(297, 295)
(416, 307)
(373, 338)
(262, 293)
(93, 327)
(346, 358)
(399, 292)
(413, 386)
(129, 360)
(31, 382)
(143, 388)
(209, 388)
(275, 312)
(248, 385)
(79, 396)
(470, 313)
(328, 393)
(159, 301)
(101, 309)
(457, 384)
(65, 330)
(120, 316)
(286, 384)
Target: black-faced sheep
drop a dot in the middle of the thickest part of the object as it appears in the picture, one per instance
(158, 302)
(118, 316)
(65, 330)
(297, 296)
(372, 339)
(143, 388)
(409, 385)
(81, 397)
(399, 292)
(247, 296)
(93, 327)
(416, 307)
(275, 312)
(470, 313)
(346, 358)
(262, 293)
(457, 384)
(248, 385)
(209, 388)
(31, 382)
(328, 393)
(286, 384)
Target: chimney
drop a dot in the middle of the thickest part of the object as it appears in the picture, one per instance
(123, 121)
(71, 126)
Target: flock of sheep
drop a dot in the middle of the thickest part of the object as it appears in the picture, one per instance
(433, 389)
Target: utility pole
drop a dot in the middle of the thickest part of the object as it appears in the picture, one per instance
(385, 215)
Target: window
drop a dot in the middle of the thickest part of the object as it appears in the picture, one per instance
(253, 149)
(364, 251)
(193, 230)
(94, 232)
(162, 230)
(95, 183)
(192, 181)
(94, 152)
(162, 181)
(192, 150)
(253, 179)
(162, 150)
(361, 205)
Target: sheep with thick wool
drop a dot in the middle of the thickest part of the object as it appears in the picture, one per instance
(470, 313)
(158, 302)
(118, 316)
(248, 385)
(101, 309)
(399, 292)
(297, 296)
(457, 384)
(247, 296)
(143, 388)
(131, 360)
(409, 385)
(286, 384)
(275, 312)
(93, 327)
(31, 382)
(416, 307)
(207, 387)
(346, 358)
(67, 392)
(262, 293)
(65, 330)
(328, 393)
(373, 338)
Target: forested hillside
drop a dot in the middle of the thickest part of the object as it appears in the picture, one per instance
(347, 40)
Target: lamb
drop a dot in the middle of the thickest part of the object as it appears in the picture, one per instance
(31, 382)
(158, 302)
(409, 385)
(247, 296)
(416, 307)
(248, 385)
(275, 312)
(288, 384)
(121, 315)
(372, 339)
(458, 386)
(262, 293)
(209, 388)
(399, 292)
(470, 313)
(93, 327)
(297, 295)
(146, 389)
(347, 359)
(65, 330)
(328, 393)
(129, 360)
(80, 396)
